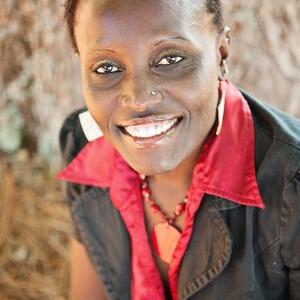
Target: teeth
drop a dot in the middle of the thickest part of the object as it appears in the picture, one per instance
(150, 129)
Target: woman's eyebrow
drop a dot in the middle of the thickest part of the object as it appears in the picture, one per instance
(102, 41)
(169, 38)
(93, 51)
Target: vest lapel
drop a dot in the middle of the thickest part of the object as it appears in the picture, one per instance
(209, 250)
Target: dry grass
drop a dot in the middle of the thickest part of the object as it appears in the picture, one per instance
(35, 226)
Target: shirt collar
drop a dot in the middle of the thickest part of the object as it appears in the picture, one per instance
(225, 167)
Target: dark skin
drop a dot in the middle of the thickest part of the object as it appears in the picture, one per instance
(129, 48)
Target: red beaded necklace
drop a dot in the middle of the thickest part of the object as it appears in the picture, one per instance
(164, 235)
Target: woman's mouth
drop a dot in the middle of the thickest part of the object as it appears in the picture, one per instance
(150, 131)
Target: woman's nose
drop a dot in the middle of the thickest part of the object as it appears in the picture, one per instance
(140, 98)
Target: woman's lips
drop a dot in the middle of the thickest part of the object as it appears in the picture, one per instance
(150, 131)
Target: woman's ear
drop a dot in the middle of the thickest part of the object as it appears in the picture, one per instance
(224, 44)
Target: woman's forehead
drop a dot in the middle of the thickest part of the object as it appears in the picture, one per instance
(144, 8)
(145, 16)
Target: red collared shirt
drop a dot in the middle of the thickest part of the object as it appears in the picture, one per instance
(225, 168)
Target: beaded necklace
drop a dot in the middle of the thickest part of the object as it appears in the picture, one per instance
(164, 235)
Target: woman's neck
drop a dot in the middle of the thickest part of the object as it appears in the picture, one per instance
(178, 179)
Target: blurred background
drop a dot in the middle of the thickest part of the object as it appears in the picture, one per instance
(40, 85)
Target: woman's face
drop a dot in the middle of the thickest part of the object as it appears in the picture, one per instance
(150, 77)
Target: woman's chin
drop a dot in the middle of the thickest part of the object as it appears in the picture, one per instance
(153, 164)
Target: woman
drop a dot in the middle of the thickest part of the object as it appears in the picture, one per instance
(193, 190)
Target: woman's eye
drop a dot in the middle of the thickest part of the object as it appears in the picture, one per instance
(170, 60)
(107, 69)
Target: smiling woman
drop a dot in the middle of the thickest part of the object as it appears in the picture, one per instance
(122, 63)
(168, 203)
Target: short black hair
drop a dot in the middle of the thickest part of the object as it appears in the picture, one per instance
(213, 7)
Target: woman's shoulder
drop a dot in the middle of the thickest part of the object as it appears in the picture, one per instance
(277, 162)
(71, 136)
(277, 146)
(278, 125)
(277, 139)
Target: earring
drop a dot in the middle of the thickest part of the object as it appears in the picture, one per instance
(153, 93)
(89, 126)
(220, 108)
(222, 95)
(224, 71)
